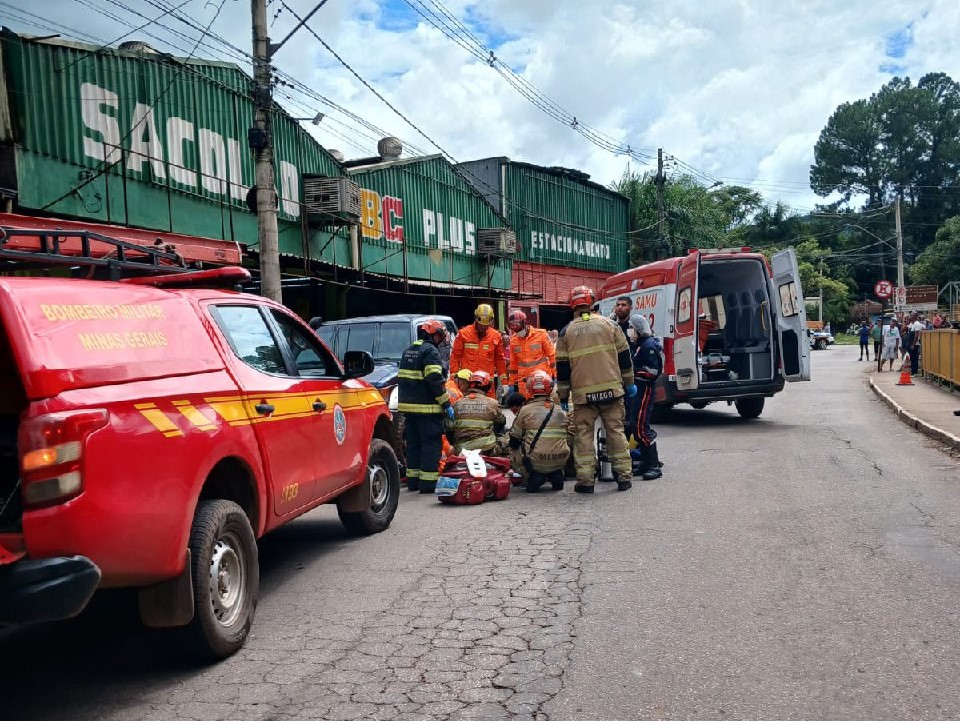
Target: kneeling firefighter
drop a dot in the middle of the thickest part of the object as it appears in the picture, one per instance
(477, 419)
(424, 402)
(539, 441)
(648, 365)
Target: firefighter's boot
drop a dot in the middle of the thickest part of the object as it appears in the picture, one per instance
(534, 481)
(653, 464)
(427, 486)
(413, 483)
(556, 480)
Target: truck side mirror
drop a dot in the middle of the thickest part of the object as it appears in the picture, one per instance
(357, 363)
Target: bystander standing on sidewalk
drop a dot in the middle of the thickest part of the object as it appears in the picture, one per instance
(876, 334)
(912, 342)
(891, 345)
(864, 332)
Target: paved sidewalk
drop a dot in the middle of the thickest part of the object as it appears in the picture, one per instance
(923, 405)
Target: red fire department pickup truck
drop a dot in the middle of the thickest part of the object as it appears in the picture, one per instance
(152, 429)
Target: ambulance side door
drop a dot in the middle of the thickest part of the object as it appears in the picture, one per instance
(791, 314)
(685, 349)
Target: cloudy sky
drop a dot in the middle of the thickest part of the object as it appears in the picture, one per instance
(733, 90)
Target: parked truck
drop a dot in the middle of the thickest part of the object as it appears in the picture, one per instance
(152, 428)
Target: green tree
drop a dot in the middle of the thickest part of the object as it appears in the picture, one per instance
(694, 215)
(903, 142)
(940, 262)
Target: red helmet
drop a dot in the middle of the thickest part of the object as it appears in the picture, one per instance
(481, 380)
(540, 384)
(432, 326)
(580, 296)
(517, 320)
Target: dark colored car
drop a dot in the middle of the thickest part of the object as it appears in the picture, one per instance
(385, 337)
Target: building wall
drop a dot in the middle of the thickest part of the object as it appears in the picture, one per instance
(560, 219)
(420, 219)
(143, 140)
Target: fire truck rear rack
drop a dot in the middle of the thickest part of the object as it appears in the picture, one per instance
(34, 248)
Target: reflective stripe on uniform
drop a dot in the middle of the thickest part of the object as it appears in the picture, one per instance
(602, 348)
(605, 386)
(429, 476)
(471, 423)
(410, 374)
(428, 369)
(474, 444)
(472, 346)
(533, 363)
(419, 408)
(443, 399)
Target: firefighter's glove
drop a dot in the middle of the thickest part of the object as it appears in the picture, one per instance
(450, 414)
(631, 390)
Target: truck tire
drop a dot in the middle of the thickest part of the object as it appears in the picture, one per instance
(821, 344)
(699, 405)
(749, 407)
(225, 572)
(383, 475)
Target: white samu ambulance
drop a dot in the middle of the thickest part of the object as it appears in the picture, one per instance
(733, 326)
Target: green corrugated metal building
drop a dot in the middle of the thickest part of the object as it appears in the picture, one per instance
(420, 219)
(142, 139)
(559, 215)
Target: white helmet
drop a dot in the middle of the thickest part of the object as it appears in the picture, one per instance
(640, 324)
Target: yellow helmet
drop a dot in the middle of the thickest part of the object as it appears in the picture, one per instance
(463, 374)
(484, 314)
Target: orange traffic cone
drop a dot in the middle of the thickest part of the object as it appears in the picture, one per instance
(905, 379)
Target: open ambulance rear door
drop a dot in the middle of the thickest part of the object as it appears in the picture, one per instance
(791, 316)
(685, 349)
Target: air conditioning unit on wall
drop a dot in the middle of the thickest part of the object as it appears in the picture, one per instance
(331, 199)
(496, 242)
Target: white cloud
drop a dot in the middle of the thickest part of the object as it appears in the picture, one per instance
(739, 89)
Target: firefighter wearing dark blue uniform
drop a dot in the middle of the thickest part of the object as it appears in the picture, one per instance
(425, 404)
(647, 365)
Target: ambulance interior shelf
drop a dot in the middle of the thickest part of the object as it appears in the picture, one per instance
(735, 332)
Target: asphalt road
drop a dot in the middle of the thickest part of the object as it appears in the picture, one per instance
(801, 566)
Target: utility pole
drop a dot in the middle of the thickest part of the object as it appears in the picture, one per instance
(661, 215)
(821, 289)
(261, 142)
(896, 215)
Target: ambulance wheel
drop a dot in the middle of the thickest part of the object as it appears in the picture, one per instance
(749, 407)
(699, 405)
(225, 573)
(383, 475)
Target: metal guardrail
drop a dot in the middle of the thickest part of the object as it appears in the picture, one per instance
(940, 356)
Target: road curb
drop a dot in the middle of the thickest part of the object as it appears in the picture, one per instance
(938, 434)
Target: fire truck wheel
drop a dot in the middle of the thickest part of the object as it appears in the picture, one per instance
(383, 475)
(749, 407)
(226, 579)
(699, 405)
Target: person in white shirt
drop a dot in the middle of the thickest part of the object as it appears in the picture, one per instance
(891, 344)
(911, 343)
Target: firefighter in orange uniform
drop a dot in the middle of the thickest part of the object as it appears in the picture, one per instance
(530, 351)
(457, 384)
(479, 347)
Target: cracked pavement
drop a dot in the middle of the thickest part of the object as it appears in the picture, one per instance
(805, 568)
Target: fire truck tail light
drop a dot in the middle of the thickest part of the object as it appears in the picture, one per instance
(51, 448)
(52, 490)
